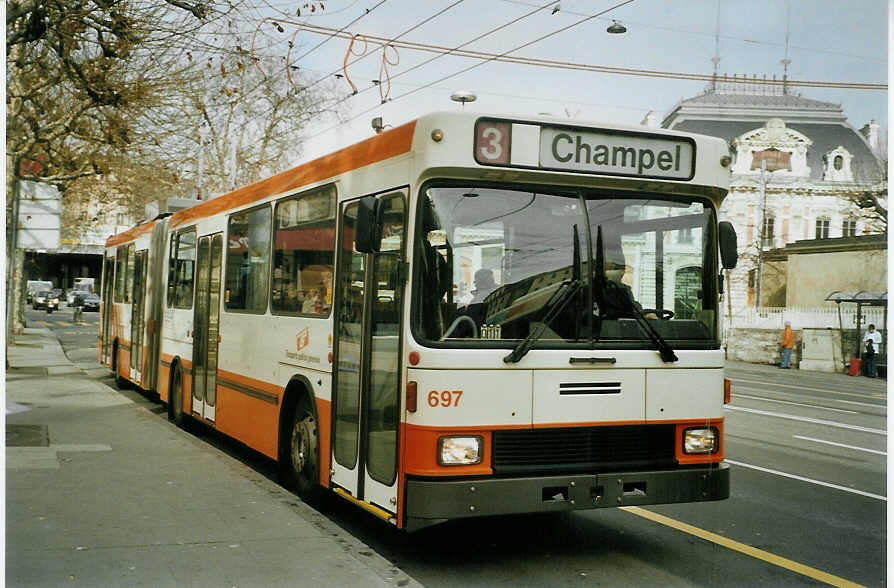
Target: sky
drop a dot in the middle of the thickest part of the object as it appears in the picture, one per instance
(826, 41)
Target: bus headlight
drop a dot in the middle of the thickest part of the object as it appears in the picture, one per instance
(700, 440)
(459, 450)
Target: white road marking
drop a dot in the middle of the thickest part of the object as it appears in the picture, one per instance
(839, 444)
(806, 419)
(809, 480)
(869, 404)
(794, 403)
(765, 383)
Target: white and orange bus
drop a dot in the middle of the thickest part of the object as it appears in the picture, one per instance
(463, 316)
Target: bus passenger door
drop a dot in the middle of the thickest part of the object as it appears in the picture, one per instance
(366, 400)
(138, 313)
(108, 288)
(206, 319)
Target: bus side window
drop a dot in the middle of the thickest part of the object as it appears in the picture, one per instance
(182, 266)
(304, 252)
(248, 260)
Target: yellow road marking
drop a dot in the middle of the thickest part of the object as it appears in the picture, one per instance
(807, 388)
(742, 548)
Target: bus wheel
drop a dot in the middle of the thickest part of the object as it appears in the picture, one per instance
(302, 467)
(175, 414)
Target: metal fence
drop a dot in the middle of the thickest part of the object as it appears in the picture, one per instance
(806, 318)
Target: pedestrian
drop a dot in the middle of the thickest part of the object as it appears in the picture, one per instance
(871, 339)
(788, 343)
(78, 303)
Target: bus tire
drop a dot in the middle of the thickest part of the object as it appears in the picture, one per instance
(175, 400)
(301, 466)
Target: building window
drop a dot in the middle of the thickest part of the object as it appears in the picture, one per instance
(822, 228)
(849, 228)
(767, 238)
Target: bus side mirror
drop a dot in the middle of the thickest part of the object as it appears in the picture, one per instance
(728, 245)
(368, 233)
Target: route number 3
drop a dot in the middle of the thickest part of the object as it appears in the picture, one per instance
(492, 142)
(445, 398)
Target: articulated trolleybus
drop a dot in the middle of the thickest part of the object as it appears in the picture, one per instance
(463, 316)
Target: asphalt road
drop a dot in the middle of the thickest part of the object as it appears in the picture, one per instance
(808, 502)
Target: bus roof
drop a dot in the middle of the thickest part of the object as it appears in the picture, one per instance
(399, 140)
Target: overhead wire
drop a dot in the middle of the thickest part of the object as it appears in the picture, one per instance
(395, 38)
(445, 51)
(474, 66)
(488, 57)
(556, 64)
(725, 37)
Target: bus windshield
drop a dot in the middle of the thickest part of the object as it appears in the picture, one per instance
(574, 268)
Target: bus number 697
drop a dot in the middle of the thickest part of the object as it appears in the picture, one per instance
(444, 398)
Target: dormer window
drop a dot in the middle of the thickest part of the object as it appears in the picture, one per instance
(780, 150)
(837, 165)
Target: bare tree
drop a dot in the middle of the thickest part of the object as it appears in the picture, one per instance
(102, 98)
(248, 123)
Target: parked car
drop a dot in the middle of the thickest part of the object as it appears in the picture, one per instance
(91, 303)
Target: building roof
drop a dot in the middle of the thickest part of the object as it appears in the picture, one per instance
(769, 101)
(825, 137)
(733, 106)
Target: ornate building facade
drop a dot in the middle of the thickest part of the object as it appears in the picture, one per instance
(799, 171)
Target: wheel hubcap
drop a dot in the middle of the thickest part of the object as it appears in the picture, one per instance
(302, 452)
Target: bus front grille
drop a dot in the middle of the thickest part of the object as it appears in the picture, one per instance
(583, 449)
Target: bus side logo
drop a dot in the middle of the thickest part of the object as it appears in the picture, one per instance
(302, 339)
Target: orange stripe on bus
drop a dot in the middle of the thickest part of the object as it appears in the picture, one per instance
(324, 416)
(688, 459)
(389, 144)
(421, 445)
(130, 234)
(251, 421)
(421, 451)
(260, 385)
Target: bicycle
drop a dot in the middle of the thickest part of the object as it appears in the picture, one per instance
(78, 315)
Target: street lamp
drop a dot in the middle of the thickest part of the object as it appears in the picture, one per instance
(463, 96)
(616, 28)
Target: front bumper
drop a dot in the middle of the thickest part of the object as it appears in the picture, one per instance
(429, 502)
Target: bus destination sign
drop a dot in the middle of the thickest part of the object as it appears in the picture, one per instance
(646, 155)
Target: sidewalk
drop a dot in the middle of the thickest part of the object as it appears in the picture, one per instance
(806, 378)
(102, 492)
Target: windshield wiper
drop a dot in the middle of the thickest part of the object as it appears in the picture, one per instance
(665, 350)
(557, 302)
(623, 299)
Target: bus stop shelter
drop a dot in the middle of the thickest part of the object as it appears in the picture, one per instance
(863, 298)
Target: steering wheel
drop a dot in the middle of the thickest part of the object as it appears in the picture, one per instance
(461, 319)
(662, 313)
